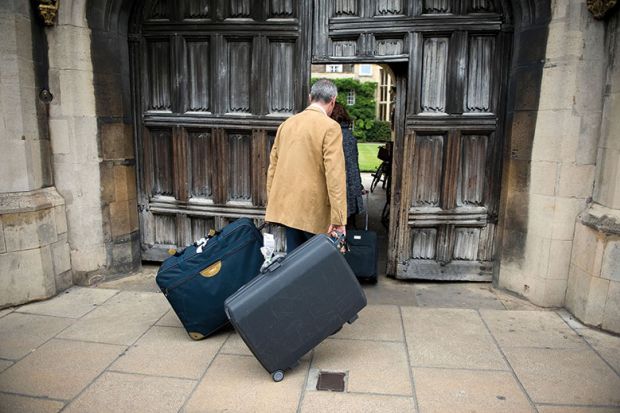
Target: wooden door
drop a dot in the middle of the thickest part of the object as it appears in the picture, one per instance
(447, 150)
(212, 80)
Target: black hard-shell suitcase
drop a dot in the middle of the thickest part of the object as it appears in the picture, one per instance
(363, 254)
(295, 304)
(198, 279)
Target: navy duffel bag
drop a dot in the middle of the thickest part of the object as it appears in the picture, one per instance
(198, 279)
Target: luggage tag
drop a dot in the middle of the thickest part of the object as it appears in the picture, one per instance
(268, 249)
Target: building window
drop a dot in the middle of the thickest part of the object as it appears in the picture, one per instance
(385, 101)
(351, 98)
(333, 68)
(365, 70)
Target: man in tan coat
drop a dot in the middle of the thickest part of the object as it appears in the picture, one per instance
(306, 181)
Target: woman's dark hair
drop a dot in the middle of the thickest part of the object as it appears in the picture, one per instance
(339, 114)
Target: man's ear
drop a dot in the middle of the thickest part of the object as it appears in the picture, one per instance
(309, 99)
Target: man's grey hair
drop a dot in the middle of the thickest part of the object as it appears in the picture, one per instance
(323, 90)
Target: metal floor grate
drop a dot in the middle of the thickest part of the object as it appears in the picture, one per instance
(329, 381)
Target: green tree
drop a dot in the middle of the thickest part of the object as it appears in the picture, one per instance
(364, 111)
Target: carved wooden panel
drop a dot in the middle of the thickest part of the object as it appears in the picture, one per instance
(161, 143)
(165, 229)
(200, 227)
(479, 74)
(239, 67)
(201, 165)
(197, 9)
(209, 75)
(486, 247)
(427, 170)
(198, 75)
(239, 167)
(282, 98)
(434, 74)
(239, 9)
(482, 6)
(436, 6)
(466, 243)
(388, 7)
(158, 56)
(281, 8)
(424, 243)
(389, 47)
(157, 10)
(473, 167)
(346, 8)
(344, 48)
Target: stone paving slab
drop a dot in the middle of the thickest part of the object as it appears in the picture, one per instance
(389, 291)
(170, 319)
(5, 364)
(240, 384)
(575, 376)
(569, 319)
(168, 351)
(605, 344)
(373, 366)
(317, 401)
(235, 345)
(59, 369)
(73, 303)
(457, 295)
(121, 320)
(531, 329)
(570, 409)
(11, 403)
(512, 302)
(118, 392)
(449, 390)
(450, 338)
(6, 311)
(365, 327)
(20, 334)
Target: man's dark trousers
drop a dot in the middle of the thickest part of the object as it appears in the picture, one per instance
(295, 237)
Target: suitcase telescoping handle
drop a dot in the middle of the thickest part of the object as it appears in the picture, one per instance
(366, 209)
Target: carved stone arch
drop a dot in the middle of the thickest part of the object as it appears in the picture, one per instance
(527, 20)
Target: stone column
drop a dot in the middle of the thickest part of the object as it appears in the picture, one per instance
(593, 293)
(73, 128)
(34, 254)
(561, 167)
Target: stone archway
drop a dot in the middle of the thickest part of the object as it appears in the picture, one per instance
(109, 22)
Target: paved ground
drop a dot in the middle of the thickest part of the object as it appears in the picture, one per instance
(118, 350)
(417, 347)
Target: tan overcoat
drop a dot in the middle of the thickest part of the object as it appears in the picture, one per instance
(306, 181)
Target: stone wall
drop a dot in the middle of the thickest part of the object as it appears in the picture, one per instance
(74, 131)
(34, 254)
(111, 76)
(593, 293)
(554, 182)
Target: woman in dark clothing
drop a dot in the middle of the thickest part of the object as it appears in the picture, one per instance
(355, 203)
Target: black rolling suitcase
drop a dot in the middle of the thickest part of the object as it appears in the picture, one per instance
(295, 304)
(363, 254)
(198, 279)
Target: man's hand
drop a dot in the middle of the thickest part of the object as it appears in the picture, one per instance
(339, 232)
(336, 228)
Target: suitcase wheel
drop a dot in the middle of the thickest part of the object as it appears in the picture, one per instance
(277, 375)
